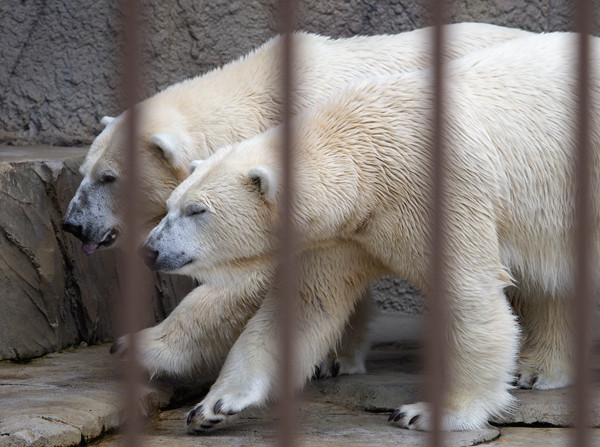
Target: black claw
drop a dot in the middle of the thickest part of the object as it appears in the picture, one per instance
(218, 406)
(396, 415)
(214, 421)
(206, 426)
(414, 419)
(336, 369)
(534, 381)
(231, 413)
(317, 373)
(399, 416)
(116, 346)
(192, 414)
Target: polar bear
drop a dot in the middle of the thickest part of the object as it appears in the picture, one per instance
(363, 161)
(190, 120)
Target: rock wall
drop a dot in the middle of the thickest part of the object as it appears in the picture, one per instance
(52, 295)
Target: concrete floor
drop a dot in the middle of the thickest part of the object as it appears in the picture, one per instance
(74, 398)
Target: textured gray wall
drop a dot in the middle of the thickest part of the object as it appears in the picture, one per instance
(60, 66)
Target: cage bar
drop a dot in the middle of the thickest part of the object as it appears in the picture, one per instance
(131, 300)
(435, 322)
(584, 231)
(286, 277)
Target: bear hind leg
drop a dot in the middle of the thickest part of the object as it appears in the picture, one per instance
(546, 354)
(350, 356)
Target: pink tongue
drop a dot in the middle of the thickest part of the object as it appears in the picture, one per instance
(89, 248)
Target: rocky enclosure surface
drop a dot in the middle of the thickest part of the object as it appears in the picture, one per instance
(52, 294)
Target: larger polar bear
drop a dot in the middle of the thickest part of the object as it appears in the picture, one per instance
(191, 120)
(363, 162)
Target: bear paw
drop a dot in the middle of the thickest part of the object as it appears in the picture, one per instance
(534, 379)
(339, 366)
(203, 419)
(413, 416)
(223, 403)
(417, 416)
(157, 359)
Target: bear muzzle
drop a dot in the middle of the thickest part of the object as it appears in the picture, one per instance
(149, 255)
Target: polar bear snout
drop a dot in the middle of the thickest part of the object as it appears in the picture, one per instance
(72, 227)
(149, 255)
(164, 252)
(163, 260)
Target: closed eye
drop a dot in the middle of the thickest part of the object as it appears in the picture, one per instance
(194, 209)
(108, 177)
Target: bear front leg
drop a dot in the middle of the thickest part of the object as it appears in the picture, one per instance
(193, 341)
(546, 354)
(326, 300)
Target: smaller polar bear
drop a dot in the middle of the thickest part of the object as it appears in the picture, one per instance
(191, 120)
(362, 163)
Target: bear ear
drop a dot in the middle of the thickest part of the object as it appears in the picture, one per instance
(264, 179)
(106, 120)
(169, 144)
(194, 165)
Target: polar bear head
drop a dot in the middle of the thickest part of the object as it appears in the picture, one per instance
(165, 146)
(225, 211)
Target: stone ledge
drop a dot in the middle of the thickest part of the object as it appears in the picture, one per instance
(53, 295)
(65, 399)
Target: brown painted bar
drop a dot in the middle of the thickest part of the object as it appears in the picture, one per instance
(584, 229)
(286, 277)
(131, 300)
(436, 321)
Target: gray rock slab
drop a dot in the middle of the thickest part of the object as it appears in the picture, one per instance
(53, 295)
(318, 424)
(540, 437)
(394, 378)
(64, 399)
(67, 398)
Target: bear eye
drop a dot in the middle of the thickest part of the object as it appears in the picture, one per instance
(108, 177)
(194, 209)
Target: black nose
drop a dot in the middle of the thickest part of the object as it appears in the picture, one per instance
(76, 230)
(149, 255)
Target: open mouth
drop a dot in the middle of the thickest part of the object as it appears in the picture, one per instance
(109, 238)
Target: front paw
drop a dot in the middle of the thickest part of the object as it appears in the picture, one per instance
(206, 416)
(157, 359)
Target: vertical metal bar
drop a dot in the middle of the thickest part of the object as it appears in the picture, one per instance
(584, 231)
(132, 272)
(286, 277)
(435, 362)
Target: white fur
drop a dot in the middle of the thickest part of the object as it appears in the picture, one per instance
(230, 104)
(236, 102)
(363, 175)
